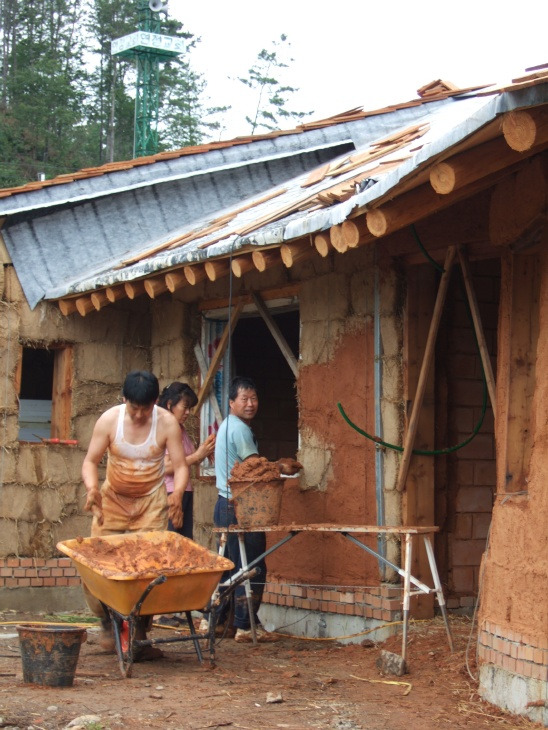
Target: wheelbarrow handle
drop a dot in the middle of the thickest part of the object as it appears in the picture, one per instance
(229, 587)
(156, 582)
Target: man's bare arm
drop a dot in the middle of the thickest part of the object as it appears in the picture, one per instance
(98, 445)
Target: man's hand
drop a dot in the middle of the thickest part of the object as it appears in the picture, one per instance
(175, 509)
(94, 504)
(289, 467)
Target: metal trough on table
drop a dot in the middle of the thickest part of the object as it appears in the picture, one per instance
(147, 573)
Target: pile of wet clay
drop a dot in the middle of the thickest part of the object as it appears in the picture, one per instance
(255, 469)
(138, 557)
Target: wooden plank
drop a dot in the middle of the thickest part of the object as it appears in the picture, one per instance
(218, 356)
(62, 392)
(276, 333)
(425, 369)
(282, 292)
(525, 277)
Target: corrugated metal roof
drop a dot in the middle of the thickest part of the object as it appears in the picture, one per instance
(211, 212)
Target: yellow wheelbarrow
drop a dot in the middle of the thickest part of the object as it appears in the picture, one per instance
(149, 573)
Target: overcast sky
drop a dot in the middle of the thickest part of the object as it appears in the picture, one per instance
(361, 53)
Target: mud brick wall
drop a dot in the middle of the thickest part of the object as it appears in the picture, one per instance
(337, 365)
(42, 495)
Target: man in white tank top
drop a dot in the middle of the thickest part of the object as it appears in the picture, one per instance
(133, 497)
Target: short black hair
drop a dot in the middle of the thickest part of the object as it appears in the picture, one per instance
(141, 387)
(175, 392)
(240, 383)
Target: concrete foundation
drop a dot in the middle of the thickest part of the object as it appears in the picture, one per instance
(43, 600)
(320, 625)
(515, 693)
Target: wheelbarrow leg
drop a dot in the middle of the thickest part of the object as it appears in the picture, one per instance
(124, 635)
(194, 636)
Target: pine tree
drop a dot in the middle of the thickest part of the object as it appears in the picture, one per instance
(43, 86)
(272, 96)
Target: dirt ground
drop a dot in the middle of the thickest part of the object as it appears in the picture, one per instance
(316, 684)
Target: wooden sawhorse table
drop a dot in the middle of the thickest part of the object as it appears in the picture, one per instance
(349, 532)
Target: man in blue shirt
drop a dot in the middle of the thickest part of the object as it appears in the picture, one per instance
(236, 442)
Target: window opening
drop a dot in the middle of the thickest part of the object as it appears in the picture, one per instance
(45, 383)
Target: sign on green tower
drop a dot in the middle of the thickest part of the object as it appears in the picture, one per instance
(149, 48)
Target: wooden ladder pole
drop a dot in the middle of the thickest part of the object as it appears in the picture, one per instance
(425, 368)
(478, 327)
(203, 372)
(218, 356)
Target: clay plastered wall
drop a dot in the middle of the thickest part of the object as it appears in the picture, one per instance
(337, 365)
(42, 495)
(516, 568)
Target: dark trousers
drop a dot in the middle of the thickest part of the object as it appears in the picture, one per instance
(255, 545)
(186, 530)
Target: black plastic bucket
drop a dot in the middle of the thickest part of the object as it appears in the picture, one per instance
(50, 653)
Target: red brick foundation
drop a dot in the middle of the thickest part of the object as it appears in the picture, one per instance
(515, 652)
(383, 603)
(38, 573)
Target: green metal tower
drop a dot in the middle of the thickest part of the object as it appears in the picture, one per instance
(148, 47)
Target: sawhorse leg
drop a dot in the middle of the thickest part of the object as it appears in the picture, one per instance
(438, 588)
(406, 592)
(247, 585)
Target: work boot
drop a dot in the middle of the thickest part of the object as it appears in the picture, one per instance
(245, 636)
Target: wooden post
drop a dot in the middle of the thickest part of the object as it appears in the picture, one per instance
(322, 244)
(115, 292)
(425, 368)
(478, 327)
(84, 305)
(276, 333)
(99, 299)
(134, 289)
(176, 280)
(292, 253)
(523, 130)
(194, 274)
(155, 287)
(337, 238)
(218, 356)
(241, 265)
(67, 306)
(263, 259)
(418, 507)
(216, 269)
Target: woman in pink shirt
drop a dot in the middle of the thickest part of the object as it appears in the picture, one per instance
(179, 398)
